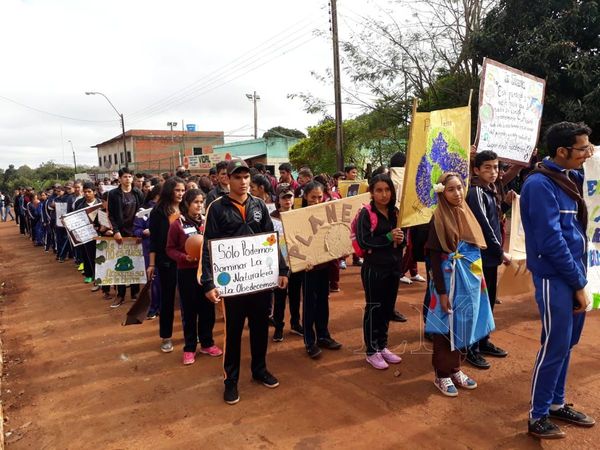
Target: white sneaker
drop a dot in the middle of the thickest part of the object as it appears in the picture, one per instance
(418, 278)
(463, 381)
(166, 346)
(405, 280)
(446, 387)
(343, 265)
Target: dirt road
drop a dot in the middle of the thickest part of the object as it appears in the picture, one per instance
(74, 378)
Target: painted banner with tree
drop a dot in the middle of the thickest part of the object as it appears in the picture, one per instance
(439, 142)
(591, 194)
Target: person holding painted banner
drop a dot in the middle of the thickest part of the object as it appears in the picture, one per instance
(380, 272)
(315, 290)
(197, 313)
(163, 214)
(285, 202)
(232, 215)
(123, 203)
(88, 250)
(554, 216)
(459, 312)
(488, 207)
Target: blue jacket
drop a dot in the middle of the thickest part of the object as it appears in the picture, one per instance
(555, 241)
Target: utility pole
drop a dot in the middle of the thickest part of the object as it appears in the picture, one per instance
(182, 154)
(254, 98)
(339, 131)
(74, 159)
(124, 141)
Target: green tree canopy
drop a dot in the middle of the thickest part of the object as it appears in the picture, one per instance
(283, 132)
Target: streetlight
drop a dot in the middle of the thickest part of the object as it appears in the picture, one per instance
(122, 123)
(171, 124)
(74, 160)
(254, 98)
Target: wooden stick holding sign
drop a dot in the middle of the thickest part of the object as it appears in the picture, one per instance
(320, 233)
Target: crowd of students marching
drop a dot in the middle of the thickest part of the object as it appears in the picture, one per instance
(462, 247)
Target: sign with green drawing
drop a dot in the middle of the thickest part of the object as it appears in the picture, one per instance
(119, 264)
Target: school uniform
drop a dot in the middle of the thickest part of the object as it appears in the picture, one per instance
(554, 218)
(197, 312)
(380, 275)
(228, 218)
(88, 250)
(140, 224)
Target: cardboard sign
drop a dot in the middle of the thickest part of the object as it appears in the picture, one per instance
(80, 225)
(60, 209)
(119, 264)
(320, 233)
(103, 220)
(516, 247)
(243, 265)
(439, 142)
(591, 194)
(397, 176)
(350, 188)
(515, 280)
(510, 112)
(106, 187)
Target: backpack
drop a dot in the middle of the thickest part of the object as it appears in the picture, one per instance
(358, 250)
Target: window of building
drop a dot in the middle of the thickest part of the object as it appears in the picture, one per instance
(116, 160)
(110, 159)
(121, 157)
(197, 151)
(128, 157)
(99, 161)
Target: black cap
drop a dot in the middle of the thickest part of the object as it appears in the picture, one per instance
(236, 165)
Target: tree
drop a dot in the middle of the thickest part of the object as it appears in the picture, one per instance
(283, 132)
(558, 40)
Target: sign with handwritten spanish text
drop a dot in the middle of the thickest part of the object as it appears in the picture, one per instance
(510, 112)
(119, 264)
(244, 265)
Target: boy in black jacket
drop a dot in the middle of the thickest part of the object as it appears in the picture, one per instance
(487, 206)
(240, 214)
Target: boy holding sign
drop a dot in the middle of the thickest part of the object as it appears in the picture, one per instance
(234, 215)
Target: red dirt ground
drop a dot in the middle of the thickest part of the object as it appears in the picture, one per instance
(74, 378)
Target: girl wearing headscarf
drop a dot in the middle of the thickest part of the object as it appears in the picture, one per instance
(459, 313)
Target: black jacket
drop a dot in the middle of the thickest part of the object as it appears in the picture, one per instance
(158, 224)
(115, 206)
(215, 194)
(379, 249)
(223, 219)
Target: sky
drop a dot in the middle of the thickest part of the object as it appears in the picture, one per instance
(157, 61)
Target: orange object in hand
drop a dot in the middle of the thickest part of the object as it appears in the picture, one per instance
(193, 246)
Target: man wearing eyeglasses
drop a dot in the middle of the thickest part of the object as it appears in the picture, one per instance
(554, 217)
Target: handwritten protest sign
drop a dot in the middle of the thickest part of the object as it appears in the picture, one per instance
(61, 210)
(119, 264)
(80, 225)
(246, 264)
(439, 142)
(591, 194)
(106, 187)
(350, 188)
(320, 233)
(510, 112)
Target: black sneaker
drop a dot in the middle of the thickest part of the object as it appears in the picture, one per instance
(297, 329)
(117, 302)
(278, 335)
(491, 350)
(329, 344)
(398, 317)
(313, 351)
(272, 322)
(476, 360)
(568, 414)
(267, 379)
(231, 395)
(543, 428)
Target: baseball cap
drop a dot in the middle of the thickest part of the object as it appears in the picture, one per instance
(284, 189)
(235, 165)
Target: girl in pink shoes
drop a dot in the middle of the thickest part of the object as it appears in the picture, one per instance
(197, 313)
(378, 234)
(459, 312)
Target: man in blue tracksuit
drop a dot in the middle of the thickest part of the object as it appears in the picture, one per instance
(554, 218)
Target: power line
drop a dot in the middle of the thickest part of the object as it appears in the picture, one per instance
(41, 111)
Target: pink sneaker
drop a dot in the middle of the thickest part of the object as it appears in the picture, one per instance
(211, 351)
(377, 361)
(189, 358)
(390, 357)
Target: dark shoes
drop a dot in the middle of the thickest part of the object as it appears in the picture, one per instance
(491, 350)
(476, 360)
(231, 395)
(278, 335)
(543, 428)
(568, 414)
(297, 329)
(398, 317)
(267, 379)
(313, 351)
(329, 344)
